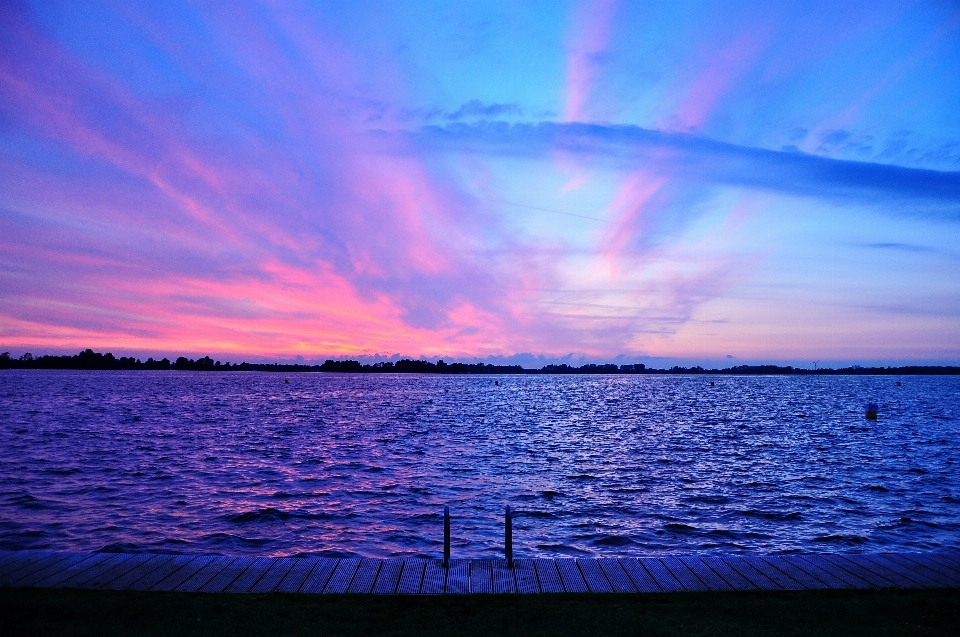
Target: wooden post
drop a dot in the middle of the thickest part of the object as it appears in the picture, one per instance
(446, 537)
(508, 536)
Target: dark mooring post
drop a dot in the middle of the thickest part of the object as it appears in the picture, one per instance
(508, 536)
(446, 537)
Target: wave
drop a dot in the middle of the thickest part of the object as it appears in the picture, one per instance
(27, 501)
(676, 527)
(841, 539)
(546, 515)
(121, 547)
(772, 515)
(271, 514)
(612, 540)
(708, 499)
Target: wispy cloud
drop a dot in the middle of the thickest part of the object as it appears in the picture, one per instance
(591, 25)
(899, 247)
(476, 108)
(694, 156)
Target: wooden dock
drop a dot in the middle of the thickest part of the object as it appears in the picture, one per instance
(215, 573)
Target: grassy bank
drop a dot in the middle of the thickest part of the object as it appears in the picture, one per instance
(78, 612)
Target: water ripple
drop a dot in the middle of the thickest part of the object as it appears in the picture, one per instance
(343, 465)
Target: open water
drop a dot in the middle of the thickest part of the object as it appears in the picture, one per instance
(347, 465)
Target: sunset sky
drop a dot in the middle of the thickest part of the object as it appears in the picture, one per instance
(714, 183)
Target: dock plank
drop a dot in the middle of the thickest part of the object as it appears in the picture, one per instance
(662, 575)
(548, 576)
(526, 576)
(365, 577)
(7, 557)
(841, 565)
(317, 579)
(618, 578)
(250, 576)
(181, 575)
(72, 571)
(706, 575)
(411, 577)
(948, 576)
(126, 580)
(294, 579)
(896, 574)
(202, 577)
(224, 578)
(93, 570)
(51, 570)
(28, 566)
(593, 575)
(684, 574)
(436, 578)
(757, 578)
(481, 576)
(503, 577)
(729, 574)
(458, 577)
(769, 571)
(639, 575)
(947, 557)
(161, 572)
(207, 573)
(78, 575)
(864, 570)
(945, 563)
(342, 576)
(951, 558)
(25, 559)
(571, 576)
(827, 573)
(10, 558)
(806, 580)
(269, 581)
(388, 578)
(869, 569)
(825, 577)
(927, 577)
(121, 568)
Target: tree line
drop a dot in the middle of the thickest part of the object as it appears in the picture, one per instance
(88, 359)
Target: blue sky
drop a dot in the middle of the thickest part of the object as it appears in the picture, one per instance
(588, 181)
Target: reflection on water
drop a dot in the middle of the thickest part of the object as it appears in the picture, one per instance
(246, 464)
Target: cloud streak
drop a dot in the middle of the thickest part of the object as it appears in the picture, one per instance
(694, 156)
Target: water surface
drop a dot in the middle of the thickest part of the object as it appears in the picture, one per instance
(340, 464)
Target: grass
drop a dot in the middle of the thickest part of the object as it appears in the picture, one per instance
(34, 611)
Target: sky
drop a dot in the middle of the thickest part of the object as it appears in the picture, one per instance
(713, 183)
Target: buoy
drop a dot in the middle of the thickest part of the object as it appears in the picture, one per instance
(899, 383)
(496, 382)
(711, 383)
(286, 380)
(870, 411)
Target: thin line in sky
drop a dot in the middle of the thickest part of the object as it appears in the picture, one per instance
(559, 212)
(570, 214)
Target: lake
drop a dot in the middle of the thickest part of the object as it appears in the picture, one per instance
(362, 465)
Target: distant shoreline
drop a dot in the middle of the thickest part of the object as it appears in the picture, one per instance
(90, 360)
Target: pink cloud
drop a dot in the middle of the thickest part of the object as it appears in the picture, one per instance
(719, 73)
(336, 248)
(592, 25)
(627, 209)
